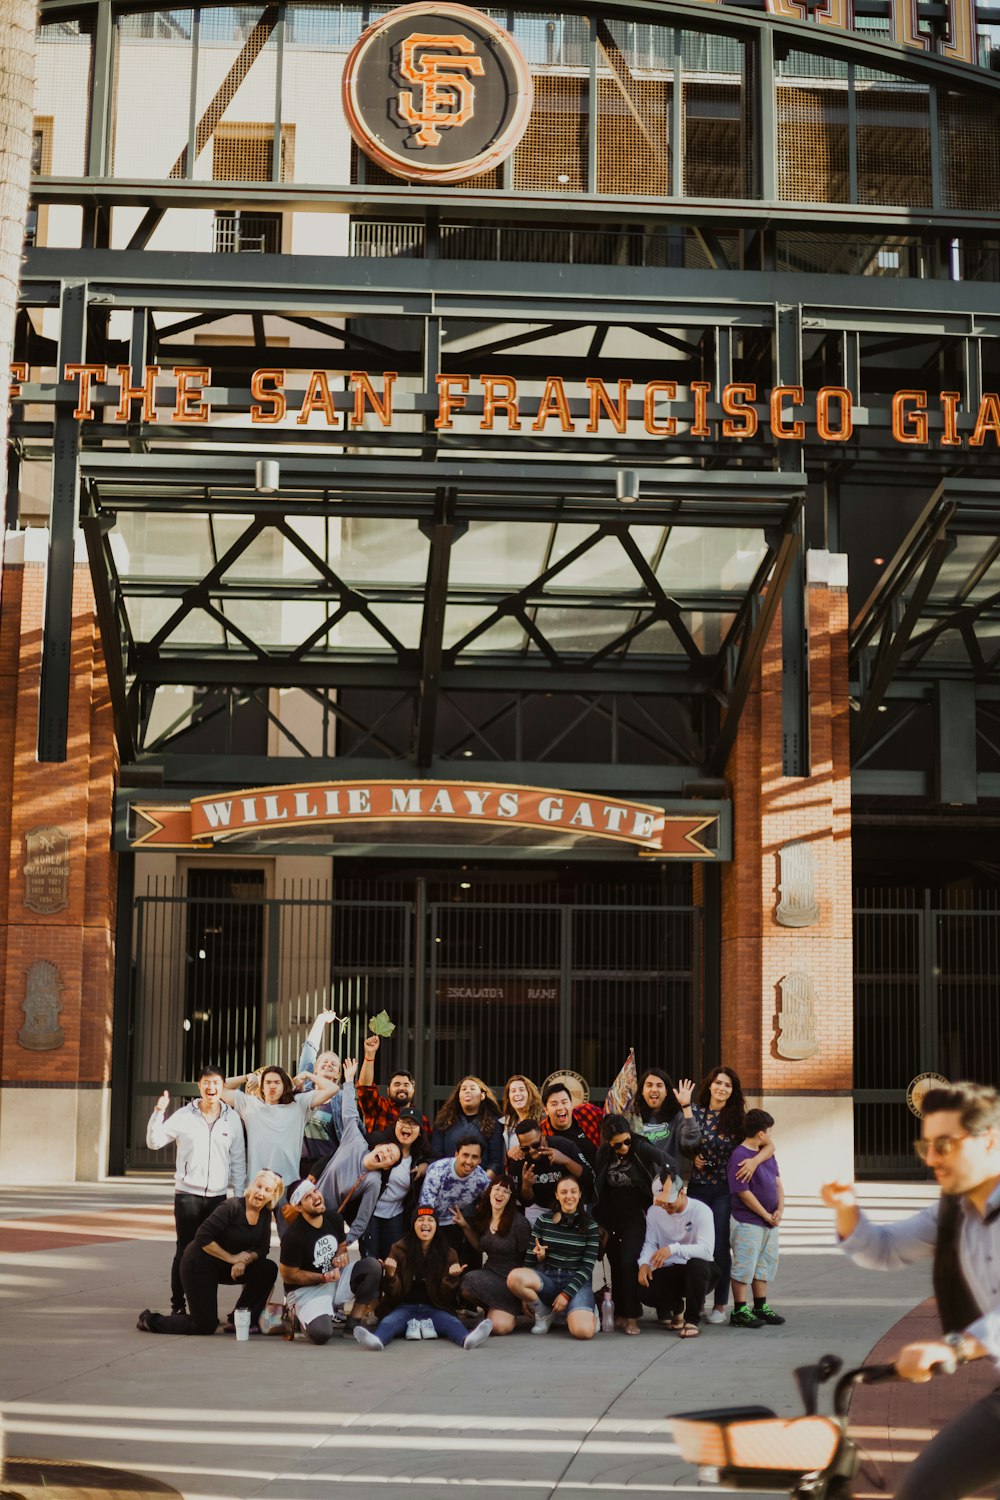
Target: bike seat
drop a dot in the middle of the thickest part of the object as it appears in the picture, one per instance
(751, 1439)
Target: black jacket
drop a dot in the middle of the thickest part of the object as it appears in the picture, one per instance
(649, 1162)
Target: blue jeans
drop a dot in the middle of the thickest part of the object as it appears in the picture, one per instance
(381, 1234)
(444, 1322)
(554, 1282)
(716, 1197)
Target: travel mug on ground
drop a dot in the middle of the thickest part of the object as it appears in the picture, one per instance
(241, 1321)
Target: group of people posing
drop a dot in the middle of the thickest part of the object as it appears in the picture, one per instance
(500, 1210)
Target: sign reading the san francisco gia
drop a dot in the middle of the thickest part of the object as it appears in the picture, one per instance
(436, 93)
(491, 807)
(739, 411)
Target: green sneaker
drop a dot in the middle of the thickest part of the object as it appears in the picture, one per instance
(745, 1317)
(767, 1314)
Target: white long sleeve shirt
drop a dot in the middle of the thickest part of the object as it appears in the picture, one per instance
(211, 1154)
(689, 1235)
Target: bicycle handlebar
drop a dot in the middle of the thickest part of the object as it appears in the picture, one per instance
(875, 1375)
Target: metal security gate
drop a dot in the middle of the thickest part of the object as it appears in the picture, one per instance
(519, 979)
(925, 1001)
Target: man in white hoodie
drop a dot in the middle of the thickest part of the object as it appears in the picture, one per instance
(211, 1158)
(676, 1262)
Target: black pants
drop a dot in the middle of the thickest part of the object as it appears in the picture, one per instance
(202, 1275)
(674, 1288)
(624, 1244)
(467, 1254)
(190, 1213)
(963, 1459)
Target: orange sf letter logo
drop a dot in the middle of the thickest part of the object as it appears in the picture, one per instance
(449, 98)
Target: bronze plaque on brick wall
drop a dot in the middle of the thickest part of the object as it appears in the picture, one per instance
(46, 870)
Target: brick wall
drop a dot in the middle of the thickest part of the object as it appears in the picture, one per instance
(772, 810)
(75, 796)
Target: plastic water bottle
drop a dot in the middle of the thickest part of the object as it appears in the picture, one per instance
(607, 1312)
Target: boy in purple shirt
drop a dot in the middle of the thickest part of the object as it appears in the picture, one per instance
(756, 1215)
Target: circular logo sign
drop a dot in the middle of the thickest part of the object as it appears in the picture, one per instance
(919, 1087)
(576, 1085)
(436, 93)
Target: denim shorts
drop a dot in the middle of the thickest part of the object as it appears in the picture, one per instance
(553, 1282)
(755, 1252)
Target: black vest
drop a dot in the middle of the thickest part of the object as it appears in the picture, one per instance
(957, 1307)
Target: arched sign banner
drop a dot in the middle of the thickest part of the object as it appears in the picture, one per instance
(484, 812)
(436, 93)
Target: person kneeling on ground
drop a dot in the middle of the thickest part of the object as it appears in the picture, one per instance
(231, 1245)
(563, 1250)
(314, 1265)
(677, 1259)
(420, 1290)
(756, 1216)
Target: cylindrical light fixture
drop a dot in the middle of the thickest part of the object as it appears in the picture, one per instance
(627, 486)
(267, 476)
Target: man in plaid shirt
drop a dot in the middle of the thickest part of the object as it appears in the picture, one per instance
(581, 1125)
(381, 1111)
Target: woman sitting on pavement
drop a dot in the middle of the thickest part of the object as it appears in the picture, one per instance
(419, 1291)
(521, 1101)
(470, 1109)
(231, 1245)
(397, 1202)
(501, 1232)
(558, 1273)
(627, 1167)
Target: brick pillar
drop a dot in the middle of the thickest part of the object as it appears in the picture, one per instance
(787, 976)
(56, 941)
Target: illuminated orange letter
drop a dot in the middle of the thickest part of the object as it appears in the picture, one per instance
(363, 392)
(492, 402)
(987, 420)
(275, 398)
(449, 400)
(797, 431)
(667, 388)
(824, 396)
(84, 411)
(909, 426)
(146, 393)
(618, 412)
(18, 374)
(553, 404)
(190, 405)
(949, 406)
(733, 397)
(317, 398)
(699, 427)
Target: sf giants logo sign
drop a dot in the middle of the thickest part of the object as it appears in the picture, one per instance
(447, 95)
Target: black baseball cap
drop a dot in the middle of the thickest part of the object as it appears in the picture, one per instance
(409, 1113)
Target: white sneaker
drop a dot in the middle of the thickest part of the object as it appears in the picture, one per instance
(542, 1321)
(479, 1334)
(413, 1330)
(368, 1340)
(717, 1315)
(427, 1329)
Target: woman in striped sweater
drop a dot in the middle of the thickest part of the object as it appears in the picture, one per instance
(558, 1271)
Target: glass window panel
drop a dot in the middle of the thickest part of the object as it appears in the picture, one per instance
(656, 640)
(964, 557)
(585, 630)
(355, 633)
(988, 584)
(710, 559)
(160, 546)
(62, 99)
(147, 616)
(499, 554)
(153, 83)
(261, 619)
(708, 631)
(269, 555)
(460, 618)
(606, 564)
(365, 547)
(506, 635)
(948, 646)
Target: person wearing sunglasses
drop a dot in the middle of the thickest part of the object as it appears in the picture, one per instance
(627, 1167)
(960, 1143)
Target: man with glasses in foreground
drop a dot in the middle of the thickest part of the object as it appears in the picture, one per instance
(960, 1142)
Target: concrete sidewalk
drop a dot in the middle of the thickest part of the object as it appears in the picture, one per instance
(542, 1417)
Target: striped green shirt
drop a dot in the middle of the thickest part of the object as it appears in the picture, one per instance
(567, 1248)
